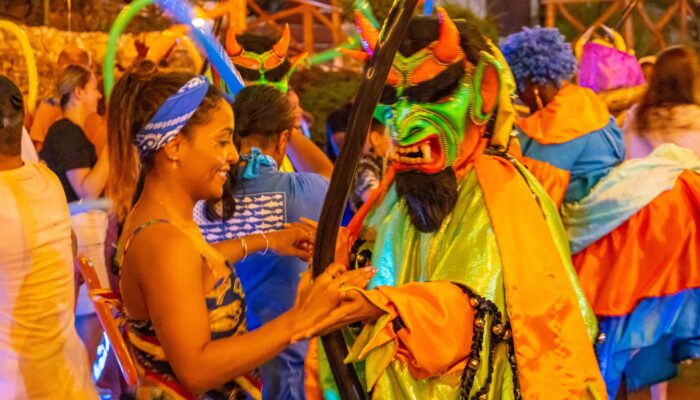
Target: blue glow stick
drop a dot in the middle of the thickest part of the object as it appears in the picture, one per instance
(428, 7)
(101, 358)
(83, 206)
(182, 12)
(305, 128)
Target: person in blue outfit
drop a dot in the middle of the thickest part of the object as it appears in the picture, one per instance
(632, 226)
(265, 200)
(570, 129)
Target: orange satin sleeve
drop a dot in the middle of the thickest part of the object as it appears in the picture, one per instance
(664, 257)
(554, 180)
(554, 354)
(424, 311)
(312, 384)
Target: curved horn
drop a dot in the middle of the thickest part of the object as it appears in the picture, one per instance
(368, 32)
(233, 48)
(282, 46)
(447, 48)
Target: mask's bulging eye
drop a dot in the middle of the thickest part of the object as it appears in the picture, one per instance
(445, 94)
(437, 89)
(279, 72)
(389, 95)
(249, 74)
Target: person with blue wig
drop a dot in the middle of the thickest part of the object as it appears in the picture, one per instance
(633, 227)
(570, 128)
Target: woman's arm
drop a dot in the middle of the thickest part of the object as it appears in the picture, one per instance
(88, 183)
(306, 156)
(171, 285)
(295, 240)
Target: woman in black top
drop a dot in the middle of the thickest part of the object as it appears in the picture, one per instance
(67, 150)
(83, 174)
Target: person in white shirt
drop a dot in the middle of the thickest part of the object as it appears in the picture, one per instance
(669, 112)
(41, 355)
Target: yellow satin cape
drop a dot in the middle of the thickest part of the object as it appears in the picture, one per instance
(504, 241)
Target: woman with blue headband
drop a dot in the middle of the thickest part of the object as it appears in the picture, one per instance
(184, 306)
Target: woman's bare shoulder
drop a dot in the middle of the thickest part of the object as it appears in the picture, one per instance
(156, 243)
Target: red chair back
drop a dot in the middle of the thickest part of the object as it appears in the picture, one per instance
(104, 300)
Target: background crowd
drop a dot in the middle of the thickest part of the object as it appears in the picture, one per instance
(234, 198)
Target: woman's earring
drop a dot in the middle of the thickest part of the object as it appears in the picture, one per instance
(538, 99)
(175, 163)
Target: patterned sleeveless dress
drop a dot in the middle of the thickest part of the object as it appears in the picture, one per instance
(226, 305)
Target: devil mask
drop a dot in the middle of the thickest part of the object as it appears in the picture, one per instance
(264, 63)
(439, 94)
(438, 98)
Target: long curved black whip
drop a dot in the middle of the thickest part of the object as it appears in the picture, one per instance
(356, 133)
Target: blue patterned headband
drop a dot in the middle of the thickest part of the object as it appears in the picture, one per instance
(172, 116)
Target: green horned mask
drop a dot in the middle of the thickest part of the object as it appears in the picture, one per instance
(435, 103)
(262, 66)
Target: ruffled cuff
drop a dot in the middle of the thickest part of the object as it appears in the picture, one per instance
(409, 331)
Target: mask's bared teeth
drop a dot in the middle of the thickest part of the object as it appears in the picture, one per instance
(425, 149)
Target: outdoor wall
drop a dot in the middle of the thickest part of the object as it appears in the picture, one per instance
(47, 43)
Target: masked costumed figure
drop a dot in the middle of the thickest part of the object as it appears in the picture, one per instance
(633, 227)
(475, 295)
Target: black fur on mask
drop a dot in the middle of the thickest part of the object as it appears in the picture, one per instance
(429, 197)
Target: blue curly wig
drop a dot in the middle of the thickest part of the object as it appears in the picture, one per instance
(540, 56)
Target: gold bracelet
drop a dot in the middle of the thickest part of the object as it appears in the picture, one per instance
(267, 243)
(244, 246)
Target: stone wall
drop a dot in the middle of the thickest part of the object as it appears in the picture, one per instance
(83, 15)
(48, 42)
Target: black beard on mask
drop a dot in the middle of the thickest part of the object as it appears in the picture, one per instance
(429, 197)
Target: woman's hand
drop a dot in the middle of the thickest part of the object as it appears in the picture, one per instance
(342, 245)
(353, 307)
(296, 239)
(316, 300)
